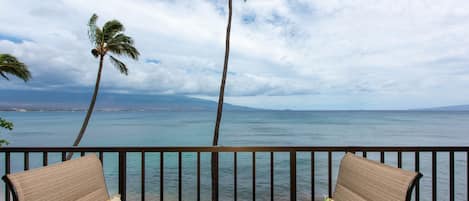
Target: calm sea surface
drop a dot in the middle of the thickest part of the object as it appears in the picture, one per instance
(282, 128)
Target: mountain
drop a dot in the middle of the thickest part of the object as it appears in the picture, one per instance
(19, 100)
(448, 108)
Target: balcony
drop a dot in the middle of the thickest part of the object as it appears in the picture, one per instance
(248, 173)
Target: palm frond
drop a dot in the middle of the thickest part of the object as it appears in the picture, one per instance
(92, 28)
(124, 49)
(119, 65)
(121, 38)
(99, 36)
(4, 76)
(122, 44)
(10, 65)
(111, 28)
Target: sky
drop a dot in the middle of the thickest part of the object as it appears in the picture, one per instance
(285, 54)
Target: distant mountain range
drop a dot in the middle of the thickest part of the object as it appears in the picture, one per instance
(447, 108)
(18, 100)
(33, 100)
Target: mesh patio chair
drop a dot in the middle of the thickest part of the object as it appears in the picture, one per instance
(80, 179)
(360, 179)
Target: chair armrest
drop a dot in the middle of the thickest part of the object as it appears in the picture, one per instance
(412, 186)
(10, 186)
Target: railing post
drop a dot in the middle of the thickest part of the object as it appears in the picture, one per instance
(122, 174)
(214, 171)
(235, 177)
(64, 156)
(417, 169)
(313, 193)
(45, 161)
(161, 176)
(179, 176)
(399, 159)
(293, 176)
(329, 173)
(434, 176)
(142, 180)
(254, 176)
(198, 176)
(271, 176)
(7, 171)
(451, 175)
(26, 160)
(382, 160)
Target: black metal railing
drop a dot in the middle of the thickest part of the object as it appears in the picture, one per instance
(383, 153)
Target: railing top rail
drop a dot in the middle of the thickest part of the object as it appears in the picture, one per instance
(240, 149)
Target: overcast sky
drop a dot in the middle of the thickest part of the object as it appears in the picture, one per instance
(284, 54)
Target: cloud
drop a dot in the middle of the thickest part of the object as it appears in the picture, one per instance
(361, 52)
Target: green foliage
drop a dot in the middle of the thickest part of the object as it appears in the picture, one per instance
(3, 142)
(111, 39)
(10, 65)
(5, 125)
(92, 29)
(328, 198)
(119, 65)
(111, 28)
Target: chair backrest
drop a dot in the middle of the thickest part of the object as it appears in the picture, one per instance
(365, 180)
(80, 179)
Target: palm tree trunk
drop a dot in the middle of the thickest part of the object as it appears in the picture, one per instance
(90, 109)
(220, 107)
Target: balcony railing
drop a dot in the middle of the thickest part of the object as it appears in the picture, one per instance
(309, 165)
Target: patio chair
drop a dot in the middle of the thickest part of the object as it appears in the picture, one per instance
(365, 180)
(80, 179)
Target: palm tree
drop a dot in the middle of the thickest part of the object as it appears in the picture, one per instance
(220, 107)
(10, 65)
(108, 39)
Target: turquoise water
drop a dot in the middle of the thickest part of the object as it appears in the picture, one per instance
(283, 128)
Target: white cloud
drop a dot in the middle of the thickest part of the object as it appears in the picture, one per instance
(329, 54)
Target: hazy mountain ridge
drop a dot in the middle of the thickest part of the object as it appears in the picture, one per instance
(16, 100)
(447, 108)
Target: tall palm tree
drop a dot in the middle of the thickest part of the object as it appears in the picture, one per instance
(108, 39)
(10, 65)
(220, 107)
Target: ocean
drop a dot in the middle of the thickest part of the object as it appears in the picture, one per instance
(247, 128)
